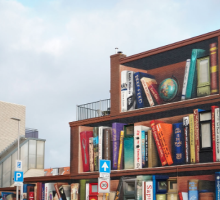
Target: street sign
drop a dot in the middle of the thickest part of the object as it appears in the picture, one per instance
(103, 185)
(105, 166)
(104, 175)
(18, 165)
(18, 176)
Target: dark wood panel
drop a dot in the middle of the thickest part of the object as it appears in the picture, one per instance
(74, 152)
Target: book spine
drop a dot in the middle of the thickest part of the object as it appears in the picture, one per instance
(213, 132)
(46, 192)
(62, 193)
(180, 196)
(196, 134)
(107, 144)
(74, 191)
(147, 92)
(185, 80)
(131, 99)
(129, 153)
(192, 139)
(43, 191)
(119, 189)
(186, 135)
(155, 93)
(193, 190)
(91, 163)
(96, 148)
(214, 68)
(157, 141)
(140, 103)
(57, 191)
(217, 134)
(120, 150)
(143, 148)
(100, 142)
(124, 88)
(146, 149)
(149, 190)
(137, 148)
(178, 140)
(164, 145)
(217, 186)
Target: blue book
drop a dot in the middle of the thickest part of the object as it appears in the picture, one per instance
(193, 189)
(139, 90)
(129, 153)
(154, 187)
(191, 87)
(143, 148)
(43, 191)
(157, 188)
(178, 144)
(25, 190)
(217, 185)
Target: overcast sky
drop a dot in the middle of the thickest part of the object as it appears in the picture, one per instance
(54, 54)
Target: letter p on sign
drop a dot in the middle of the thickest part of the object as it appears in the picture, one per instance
(18, 176)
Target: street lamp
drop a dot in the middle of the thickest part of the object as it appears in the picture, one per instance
(18, 120)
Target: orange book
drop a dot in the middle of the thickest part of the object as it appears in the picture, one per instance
(165, 132)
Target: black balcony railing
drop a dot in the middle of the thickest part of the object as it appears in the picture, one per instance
(94, 109)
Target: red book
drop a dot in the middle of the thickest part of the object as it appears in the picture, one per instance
(196, 133)
(157, 141)
(214, 68)
(31, 196)
(213, 132)
(180, 196)
(153, 90)
(39, 191)
(84, 140)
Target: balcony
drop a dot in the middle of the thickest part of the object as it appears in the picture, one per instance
(92, 110)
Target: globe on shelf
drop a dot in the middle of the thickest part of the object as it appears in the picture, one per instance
(168, 89)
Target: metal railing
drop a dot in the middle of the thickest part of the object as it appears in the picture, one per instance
(94, 109)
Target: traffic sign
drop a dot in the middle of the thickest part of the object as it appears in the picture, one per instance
(105, 166)
(18, 165)
(103, 185)
(18, 176)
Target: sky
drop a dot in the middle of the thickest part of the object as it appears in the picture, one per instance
(55, 54)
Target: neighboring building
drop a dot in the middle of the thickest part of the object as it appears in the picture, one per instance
(9, 127)
(31, 148)
(57, 171)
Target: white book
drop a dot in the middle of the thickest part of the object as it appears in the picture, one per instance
(149, 190)
(185, 195)
(217, 135)
(131, 98)
(137, 145)
(101, 128)
(185, 80)
(87, 191)
(48, 187)
(143, 185)
(67, 191)
(124, 89)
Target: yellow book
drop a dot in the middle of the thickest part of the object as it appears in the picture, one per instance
(192, 139)
(120, 150)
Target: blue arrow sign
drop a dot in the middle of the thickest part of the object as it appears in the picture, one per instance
(105, 166)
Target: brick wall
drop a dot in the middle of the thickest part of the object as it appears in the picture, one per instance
(9, 127)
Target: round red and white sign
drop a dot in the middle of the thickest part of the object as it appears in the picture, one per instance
(103, 185)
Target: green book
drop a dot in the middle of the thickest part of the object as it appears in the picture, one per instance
(161, 197)
(83, 187)
(140, 180)
(191, 88)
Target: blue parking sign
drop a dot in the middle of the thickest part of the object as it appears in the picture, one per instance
(18, 176)
(105, 166)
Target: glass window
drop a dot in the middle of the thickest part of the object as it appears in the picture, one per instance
(24, 157)
(40, 154)
(7, 172)
(13, 159)
(32, 154)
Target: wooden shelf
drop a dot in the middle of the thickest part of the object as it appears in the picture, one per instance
(177, 169)
(47, 178)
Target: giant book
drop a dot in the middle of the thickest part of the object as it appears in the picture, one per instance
(185, 80)
(137, 145)
(84, 140)
(139, 90)
(214, 68)
(116, 130)
(217, 185)
(192, 139)
(107, 144)
(101, 129)
(193, 189)
(186, 137)
(91, 157)
(129, 153)
(192, 78)
(217, 134)
(153, 157)
(178, 144)
(96, 148)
